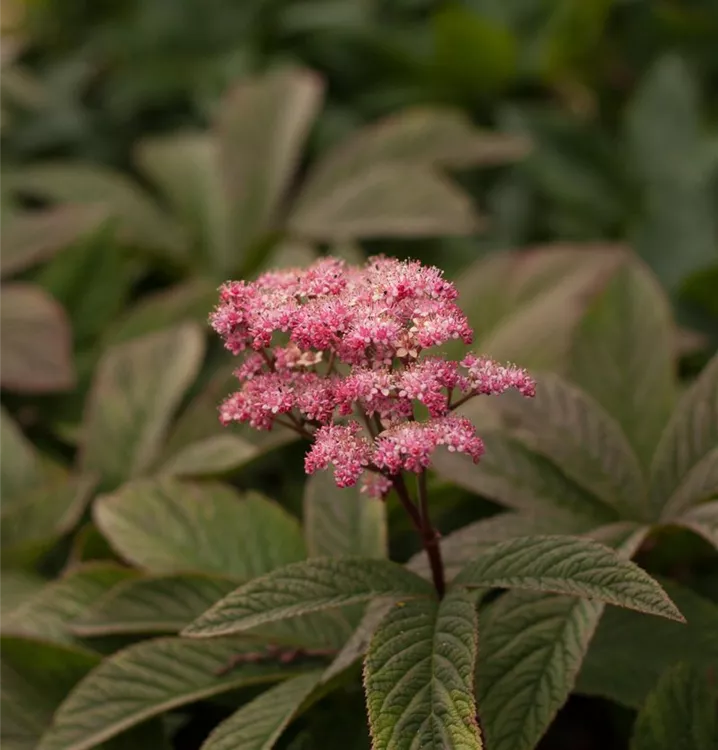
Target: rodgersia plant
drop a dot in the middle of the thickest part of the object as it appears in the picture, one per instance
(339, 355)
(343, 356)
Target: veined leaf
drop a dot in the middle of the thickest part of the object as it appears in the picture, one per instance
(28, 528)
(157, 604)
(419, 675)
(532, 646)
(137, 388)
(33, 236)
(142, 222)
(576, 434)
(20, 468)
(342, 522)
(47, 613)
(169, 526)
(514, 475)
(36, 341)
(622, 355)
(262, 126)
(568, 565)
(310, 586)
(703, 520)
(630, 650)
(679, 713)
(211, 456)
(17, 587)
(386, 201)
(36, 677)
(685, 467)
(258, 724)
(148, 679)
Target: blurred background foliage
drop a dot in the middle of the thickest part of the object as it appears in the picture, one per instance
(153, 148)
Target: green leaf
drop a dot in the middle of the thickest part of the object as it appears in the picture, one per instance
(391, 200)
(30, 527)
(685, 467)
(703, 520)
(17, 587)
(36, 341)
(157, 604)
(136, 390)
(259, 154)
(168, 526)
(214, 455)
(568, 565)
(310, 586)
(532, 646)
(20, 467)
(148, 679)
(342, 522)
(419, 675)
(575, 433)
(142, 222)
(31, 237)
(36, 676)
(630, 650)
(258, 724)
(622, 355)
(517, 477)
(680, 714)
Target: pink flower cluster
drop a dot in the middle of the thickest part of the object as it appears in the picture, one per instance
(336, 352)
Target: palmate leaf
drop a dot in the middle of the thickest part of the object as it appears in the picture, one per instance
(568, 565)
(168, 526)
(342, 522)
(310, 586)
(149, 678)
(260, 153)
(685, 467)
(622, 355)
(703, 520)
(36, 341)
(631, 650)
(419, 675)
(575, 433)
(517, 477)
(532, 646)
(136, 390)
(258, 724)
(680, 713)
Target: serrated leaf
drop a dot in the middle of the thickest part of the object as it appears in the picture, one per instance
(36, 676)
(136, 390)
(172, 672)
(419, 675)
(20, 467)
(35, 236)
(514, 475)
(680, 713)
(622, 355)
(214, 455)
(258, 724)
(310, 586)
(260, 153)
(29, 528)
(386, 201)
(568, 565)
(157, 604)
(168, 526)
(532, 646)
(142, 222)
(685, 467)
(630, 650)
(36, 341)
(703, 520)
(575, 433)
(47, 613)
(342, 522)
